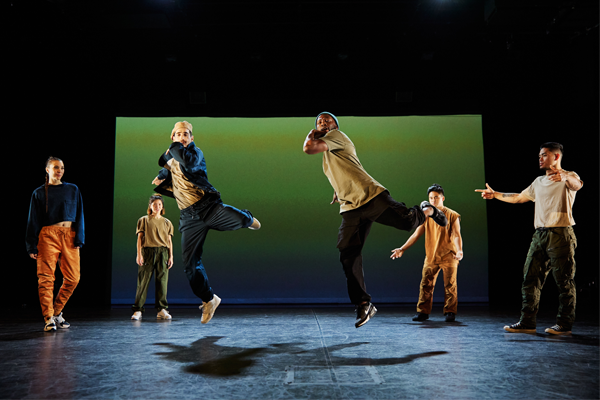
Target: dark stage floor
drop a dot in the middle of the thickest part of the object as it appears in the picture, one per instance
(296, 353)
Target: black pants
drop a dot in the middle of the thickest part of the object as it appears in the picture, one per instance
(194, 224)
(355, 227)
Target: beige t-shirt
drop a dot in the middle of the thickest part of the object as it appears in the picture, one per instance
(553, 202)
(156, 231)
(184, 191)
(439, 240)
(353, 185)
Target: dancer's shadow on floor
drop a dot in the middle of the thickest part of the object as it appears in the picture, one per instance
(436, 324)
(210, 358)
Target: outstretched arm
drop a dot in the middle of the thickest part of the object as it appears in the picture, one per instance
(490, 193)
(313, 144)
(397, 253)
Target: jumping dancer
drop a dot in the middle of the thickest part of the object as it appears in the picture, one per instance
(184, 178)
(55, 233)
(362, 201)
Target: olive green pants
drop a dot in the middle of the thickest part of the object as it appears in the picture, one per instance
(551, 249)
(155, 260)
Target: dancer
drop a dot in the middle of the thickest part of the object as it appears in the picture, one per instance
(553, 244)
(362, 201)
(443, 251)
(184, 178)
(154, 254)
(55, 233)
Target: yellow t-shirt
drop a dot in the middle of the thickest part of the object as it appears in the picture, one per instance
(439, 240)
(353, 185)
(156, 231)
(553, 202)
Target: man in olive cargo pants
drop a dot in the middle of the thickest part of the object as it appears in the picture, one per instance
(553, 245)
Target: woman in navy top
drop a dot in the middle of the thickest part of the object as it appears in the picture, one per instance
(55, 233)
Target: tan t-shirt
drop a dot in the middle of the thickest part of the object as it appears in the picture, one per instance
(156, 231)
(439, 240)
(553, 202)
(184, 191)
(353, 185)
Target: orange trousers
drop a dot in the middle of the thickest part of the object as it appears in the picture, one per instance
(430, 274)
(56, 243)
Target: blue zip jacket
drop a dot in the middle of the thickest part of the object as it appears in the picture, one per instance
(64, 204)
(193, 166)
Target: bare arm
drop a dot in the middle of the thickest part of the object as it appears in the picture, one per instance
(312, 143)
(139, 258)
(458, 242)
(397, 253)
(170, 262)
(560, 175)
(490, 193)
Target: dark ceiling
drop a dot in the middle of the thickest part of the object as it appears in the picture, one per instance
(165, 57)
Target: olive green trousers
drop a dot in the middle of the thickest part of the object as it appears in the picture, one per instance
(155, 260)
(551, 249)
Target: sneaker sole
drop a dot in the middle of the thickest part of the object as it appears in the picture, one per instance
(553, 332)
(511, 330)
(63, 327)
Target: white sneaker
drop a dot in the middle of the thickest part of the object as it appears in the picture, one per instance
(208, 309)
(60, 322)
(163, 314)
(50, 325)
(137, 315)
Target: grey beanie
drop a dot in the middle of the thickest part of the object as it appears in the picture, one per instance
(328, 113)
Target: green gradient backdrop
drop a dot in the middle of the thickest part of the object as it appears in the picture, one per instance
(258, 164)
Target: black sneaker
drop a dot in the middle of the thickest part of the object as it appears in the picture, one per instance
(421, 317)
(450, 317)
(558, 330)
(438, 216)
(518, 328)
(364, 312)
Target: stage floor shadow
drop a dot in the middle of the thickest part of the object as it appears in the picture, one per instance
(295, 353)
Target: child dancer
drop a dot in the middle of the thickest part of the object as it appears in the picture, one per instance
(154, 254)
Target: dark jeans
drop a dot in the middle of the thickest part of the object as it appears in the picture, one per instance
(155, 260)
(551, 249)
(355, 227)
(194, 224)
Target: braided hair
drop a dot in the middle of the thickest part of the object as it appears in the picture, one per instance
(48, 177)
